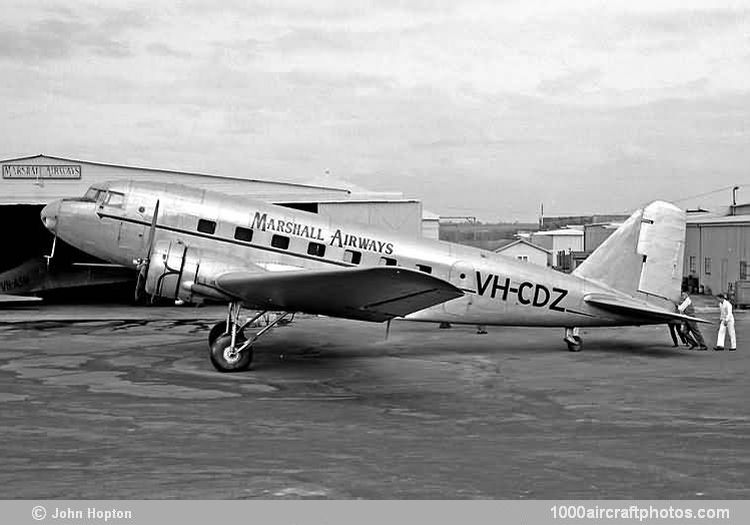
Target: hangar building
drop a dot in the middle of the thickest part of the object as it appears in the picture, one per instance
(717, 251)
(29, 183)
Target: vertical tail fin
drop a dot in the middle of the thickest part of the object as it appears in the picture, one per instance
(644, 257)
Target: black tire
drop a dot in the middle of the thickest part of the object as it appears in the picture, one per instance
(577, 346)
(219, 360)
(217, 330)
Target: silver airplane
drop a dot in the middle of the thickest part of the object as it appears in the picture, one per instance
(193, 245)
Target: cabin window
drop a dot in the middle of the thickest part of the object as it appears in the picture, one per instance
(388, 261)
(707, 265)
(115, 199)
(316, 249)
(243, 234)
(280, 241)
(424, 268)
(353, 257)
(206, 226)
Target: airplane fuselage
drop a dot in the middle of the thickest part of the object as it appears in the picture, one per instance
(498, 290)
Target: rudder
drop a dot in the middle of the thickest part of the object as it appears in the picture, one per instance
(644, 257)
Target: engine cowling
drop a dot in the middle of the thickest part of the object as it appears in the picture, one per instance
(178, 271)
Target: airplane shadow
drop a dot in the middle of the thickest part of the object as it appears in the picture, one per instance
(298, 350)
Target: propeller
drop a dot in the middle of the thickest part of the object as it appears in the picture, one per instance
(143, 262)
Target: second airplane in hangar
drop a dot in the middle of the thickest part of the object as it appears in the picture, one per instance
(190, 244)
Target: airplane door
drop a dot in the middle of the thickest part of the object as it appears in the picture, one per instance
(133, 235)
(463, 276)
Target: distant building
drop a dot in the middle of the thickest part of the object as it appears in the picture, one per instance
(559, 242)
(467, 230)
(554, 223)
(595, 234)
(526, 251)
(430, 225)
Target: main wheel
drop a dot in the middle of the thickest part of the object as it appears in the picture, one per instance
(576, 345)
(217, 330)
(226, 359)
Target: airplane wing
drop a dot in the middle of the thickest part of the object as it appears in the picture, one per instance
(371, 294)
(636, 308)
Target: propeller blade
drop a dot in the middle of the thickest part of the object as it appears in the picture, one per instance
(140, 284)
(152, 231)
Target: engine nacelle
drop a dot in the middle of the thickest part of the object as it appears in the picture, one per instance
(177, 271)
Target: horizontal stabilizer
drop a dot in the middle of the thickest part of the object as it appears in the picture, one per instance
(636, 308)
(371, 294)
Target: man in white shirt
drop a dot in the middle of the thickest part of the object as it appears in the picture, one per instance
(726, 324)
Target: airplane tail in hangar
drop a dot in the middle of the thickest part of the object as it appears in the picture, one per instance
(644, 257)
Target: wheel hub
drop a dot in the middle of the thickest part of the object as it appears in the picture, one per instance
(231, 355)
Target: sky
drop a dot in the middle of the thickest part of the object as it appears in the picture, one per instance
(483, 108)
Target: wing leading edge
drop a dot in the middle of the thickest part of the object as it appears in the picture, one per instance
(371, 294)
(636, 308)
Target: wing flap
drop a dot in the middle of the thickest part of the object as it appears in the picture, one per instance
(636, 308)
(373, 294)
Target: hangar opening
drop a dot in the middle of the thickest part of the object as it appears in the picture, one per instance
(71, 275)
(22, 235)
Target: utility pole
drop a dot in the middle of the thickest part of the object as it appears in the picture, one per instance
(541, 216)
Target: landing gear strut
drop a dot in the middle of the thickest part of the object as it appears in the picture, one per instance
(573, 340)
(229, 348)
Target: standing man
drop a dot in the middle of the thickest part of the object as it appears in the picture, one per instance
(726, 324)
(692, 332)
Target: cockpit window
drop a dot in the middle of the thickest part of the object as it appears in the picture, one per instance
(92, 195)
(114, 199)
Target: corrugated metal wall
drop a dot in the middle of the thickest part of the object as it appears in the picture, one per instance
(717, 252)
(401, 216)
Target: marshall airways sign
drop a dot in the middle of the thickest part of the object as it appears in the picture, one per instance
(41, 171)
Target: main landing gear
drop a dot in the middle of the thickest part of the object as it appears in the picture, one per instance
(573, 340)
(229, 348)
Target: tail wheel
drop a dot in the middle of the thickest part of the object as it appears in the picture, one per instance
(575, 343)
(228, 359)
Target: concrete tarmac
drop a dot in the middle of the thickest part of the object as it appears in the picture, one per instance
(119, 402)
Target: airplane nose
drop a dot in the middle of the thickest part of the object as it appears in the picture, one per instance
(49, 215)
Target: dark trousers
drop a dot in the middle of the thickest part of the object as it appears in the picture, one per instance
(694, 332)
